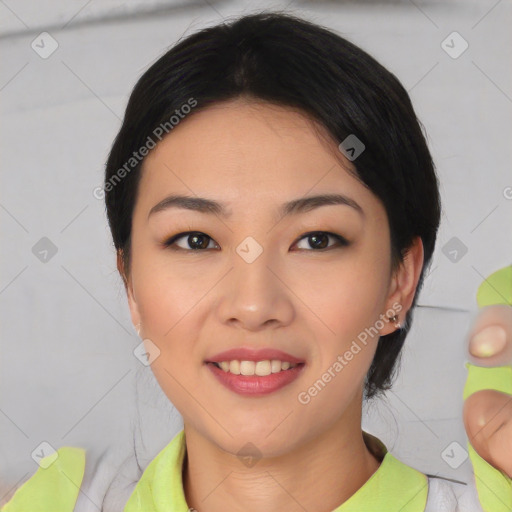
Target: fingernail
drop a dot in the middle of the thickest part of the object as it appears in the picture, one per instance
(488, 342)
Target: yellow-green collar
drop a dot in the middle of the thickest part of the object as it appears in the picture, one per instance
(394, 486)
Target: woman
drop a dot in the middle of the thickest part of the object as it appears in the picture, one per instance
(274, 208)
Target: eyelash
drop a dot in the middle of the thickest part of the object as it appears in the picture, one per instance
(170, 242)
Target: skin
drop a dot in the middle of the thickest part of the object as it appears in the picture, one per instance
(192, 304)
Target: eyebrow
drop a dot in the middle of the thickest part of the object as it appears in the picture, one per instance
(294, 207)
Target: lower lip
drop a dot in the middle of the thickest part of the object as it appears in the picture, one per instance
(255, 385)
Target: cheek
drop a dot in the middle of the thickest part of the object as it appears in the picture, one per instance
(349, 299)
(165, 297)
(169, 307)
(347, 295)
(172, 307)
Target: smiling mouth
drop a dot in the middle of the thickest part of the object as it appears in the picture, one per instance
(255, 369)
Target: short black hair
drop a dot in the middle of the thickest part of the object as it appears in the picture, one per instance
(280, 58)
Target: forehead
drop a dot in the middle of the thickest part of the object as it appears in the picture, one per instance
(246, 153)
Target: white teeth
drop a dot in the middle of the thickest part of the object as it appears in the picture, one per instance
(234, 367)
(259, 368)
(224, 365)
(247, 367)
(262, 368)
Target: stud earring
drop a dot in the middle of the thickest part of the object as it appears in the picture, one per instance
(394, 319)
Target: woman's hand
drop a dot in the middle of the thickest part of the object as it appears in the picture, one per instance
(487, 413)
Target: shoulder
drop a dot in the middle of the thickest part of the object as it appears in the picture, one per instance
(54, 486)
(422, 491)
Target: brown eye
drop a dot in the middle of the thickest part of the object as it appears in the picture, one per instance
(319, 240)
(195, 241)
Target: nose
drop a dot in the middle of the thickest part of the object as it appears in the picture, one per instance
(255, 295)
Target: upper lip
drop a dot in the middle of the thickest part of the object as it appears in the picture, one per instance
(251, 354)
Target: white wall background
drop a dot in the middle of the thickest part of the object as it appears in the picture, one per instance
(67, 369)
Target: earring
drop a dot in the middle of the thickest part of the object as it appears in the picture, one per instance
(137, 328)
(394, 319)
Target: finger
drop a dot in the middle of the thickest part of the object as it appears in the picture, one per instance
(487, 418)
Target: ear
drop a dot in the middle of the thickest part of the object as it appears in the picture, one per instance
(403, 285)
(132, 303)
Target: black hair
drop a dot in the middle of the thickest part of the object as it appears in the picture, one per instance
(282, 59)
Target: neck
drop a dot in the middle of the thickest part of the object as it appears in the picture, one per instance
(318, 475)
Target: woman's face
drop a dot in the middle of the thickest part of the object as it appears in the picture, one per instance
(254, 279)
